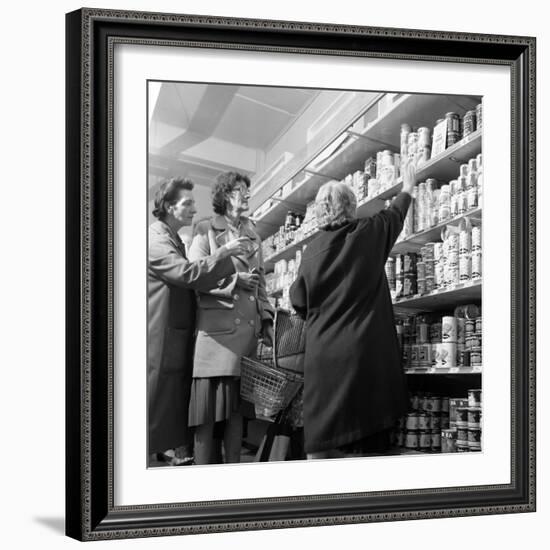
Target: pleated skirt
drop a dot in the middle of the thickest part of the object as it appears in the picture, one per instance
(213, 399)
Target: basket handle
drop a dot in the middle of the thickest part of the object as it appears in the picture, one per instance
(274, 348)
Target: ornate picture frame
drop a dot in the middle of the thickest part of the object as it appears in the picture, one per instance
(91, 512)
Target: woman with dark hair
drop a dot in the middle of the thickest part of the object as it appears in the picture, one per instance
(172, 280)
(231, 318)
(354, 385)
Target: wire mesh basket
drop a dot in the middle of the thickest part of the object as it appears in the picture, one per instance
(270, 389)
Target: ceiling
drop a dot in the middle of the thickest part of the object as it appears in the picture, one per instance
(201, 130)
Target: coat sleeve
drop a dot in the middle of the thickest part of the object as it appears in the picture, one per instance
(298, 296)
(199, 250)
(391, 220)
(168, 264)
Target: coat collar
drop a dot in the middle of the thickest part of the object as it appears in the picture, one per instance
(161, 228)
(219, 223)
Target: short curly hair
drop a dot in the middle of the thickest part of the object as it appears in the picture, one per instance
(335, 204)
(224, 185)
(168, 193)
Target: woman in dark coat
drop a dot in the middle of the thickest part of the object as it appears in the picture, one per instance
(171, 282)
(354, 385)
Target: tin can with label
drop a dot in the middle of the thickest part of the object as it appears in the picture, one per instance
(406, 355)
(465, 241)
(436, 440)
(462, 417)
(474, 436)
(414, 401)
(454, 405)
(468, 123)
(429, 267)
(439, 274)
(445, 405)
(425, 355)
(436, 404)
(453, 122)
(448, 440)
(472, 166)
(448, 356)
(421, 270)
(435, 421)
(424, 138)
(430, 285)
(449, 328)
(399, 260)
(435, 332)
(466, 358)
(421, 286)
(470, 327)
(411, 421)
(423, 421)
(462, 202)
(454, 243)
(399, 282)
(459, 354)
(478, 325)
(409, 263)
(462, 447)
(475, 354)
(390, 269)
(474, 417)
(461, 330)
(424, 440)
(453, 258)
(452, 276)
(444, 419)
(463, 171)
(479, 116)
(454, 205)
(476, 265)
(409, 284)
(472, 198)
(414, 356)
(473, 341)
(437, 250)
(465, 267)
(411, 439)
(462, 436)
(476, 238)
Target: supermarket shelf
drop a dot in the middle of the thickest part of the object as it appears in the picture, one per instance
(288, 252)
(374, 205)
(415, 242)
(451, 370)
(446, 165)
(361, 143)
(438, 300)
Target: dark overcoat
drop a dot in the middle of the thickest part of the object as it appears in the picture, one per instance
(172, 280)
(354, 384)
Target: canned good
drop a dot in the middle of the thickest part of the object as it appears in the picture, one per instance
(476, 238)
(424, 440)
(465, 359)
(475, 355)
(462, 447)
(473, 341)
(453, 122)
(474, 436)
(448, 440)
(421, 286)
(435, 332)
(435, 440)
(444, 420)
(472, 167)
(462, 202)
(421, 270)
(423, 421)
(429, 268)
(447, 355)
(471, 200)
(449, 329)
(435, 404)
(411, 422)
(462, 417)
(435, 421)
(437, 251)
(399, 265)
(478, 325)
(474, 418)
(461, 330)
(454, 243)
(414, 401)
(463, 171)
(465, 267)
(476, 265)
(430, 285)
(454, 405)
(470, 326)
(465, 241)
(469, 123)
(409, 284)
(462, 436)
(479, 116)
(411, 439)
(453, 258)
(445, 405)
(425, 355)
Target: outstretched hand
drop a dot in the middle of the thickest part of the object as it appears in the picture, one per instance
(409, 178)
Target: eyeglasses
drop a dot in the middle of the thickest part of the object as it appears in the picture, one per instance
(241, 190)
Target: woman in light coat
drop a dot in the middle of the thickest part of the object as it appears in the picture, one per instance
(230, 319)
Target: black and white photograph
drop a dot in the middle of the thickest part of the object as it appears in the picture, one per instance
(314, 273)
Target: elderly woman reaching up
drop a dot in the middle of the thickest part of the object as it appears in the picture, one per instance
(354, 386)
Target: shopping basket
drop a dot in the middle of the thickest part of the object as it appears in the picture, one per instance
(270, 389)
(267, 384)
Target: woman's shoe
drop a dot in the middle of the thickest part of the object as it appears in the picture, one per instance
(172, 460)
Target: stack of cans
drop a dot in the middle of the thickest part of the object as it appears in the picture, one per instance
(454, 133)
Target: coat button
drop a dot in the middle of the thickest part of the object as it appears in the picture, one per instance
(237, 321)
(251, 298)
(235, 296)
